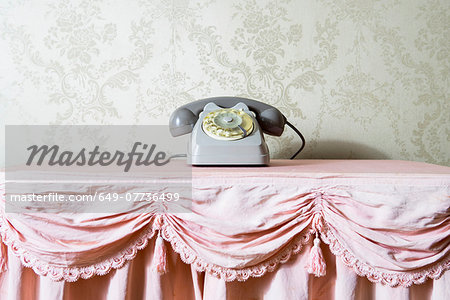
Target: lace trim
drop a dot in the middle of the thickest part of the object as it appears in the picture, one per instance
(189, 256)
(388, 278)
(71, 274)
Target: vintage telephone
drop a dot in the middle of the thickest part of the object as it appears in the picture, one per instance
(228, 130)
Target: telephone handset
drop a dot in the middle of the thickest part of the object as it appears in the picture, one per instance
(270, 119)
(228, 130)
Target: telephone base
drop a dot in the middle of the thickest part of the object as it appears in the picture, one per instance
(250, 160)
(206, 150)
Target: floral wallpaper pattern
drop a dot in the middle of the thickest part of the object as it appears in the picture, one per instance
(360, 78)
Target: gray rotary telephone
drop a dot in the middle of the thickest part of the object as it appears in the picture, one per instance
(228, 130)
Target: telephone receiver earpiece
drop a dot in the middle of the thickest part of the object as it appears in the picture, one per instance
(270, 119)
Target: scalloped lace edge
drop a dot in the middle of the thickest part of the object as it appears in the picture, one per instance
(71, 274)
(188, 256)
(361, 268)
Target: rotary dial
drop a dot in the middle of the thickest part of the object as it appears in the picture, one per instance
(227, 124)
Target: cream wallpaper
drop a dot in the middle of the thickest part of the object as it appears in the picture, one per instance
(360, 79)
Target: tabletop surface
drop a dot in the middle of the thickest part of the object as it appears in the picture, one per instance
(313, 168)
(334, 166)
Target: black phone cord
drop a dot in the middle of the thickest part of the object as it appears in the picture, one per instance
(301, 137)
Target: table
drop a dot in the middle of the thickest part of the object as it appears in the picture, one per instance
(382, 227)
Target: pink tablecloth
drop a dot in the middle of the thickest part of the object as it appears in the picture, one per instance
(384, 227)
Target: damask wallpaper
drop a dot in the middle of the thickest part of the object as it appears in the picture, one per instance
(360, 78)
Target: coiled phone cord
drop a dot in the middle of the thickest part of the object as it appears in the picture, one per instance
(301, 137)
